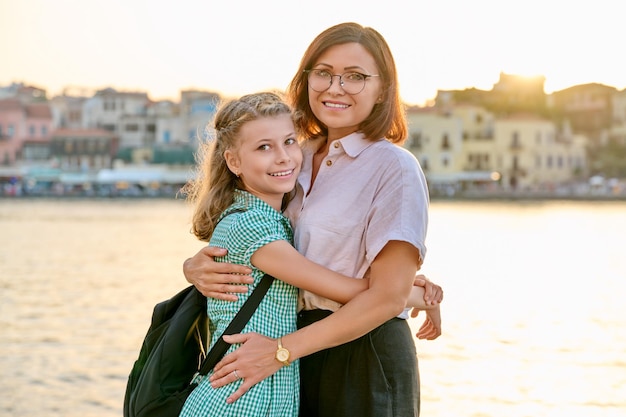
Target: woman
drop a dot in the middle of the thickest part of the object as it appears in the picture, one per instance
(361, 209)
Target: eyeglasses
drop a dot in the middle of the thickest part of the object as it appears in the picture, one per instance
(352, 82)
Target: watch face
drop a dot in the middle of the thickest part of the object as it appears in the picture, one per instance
(282, 355)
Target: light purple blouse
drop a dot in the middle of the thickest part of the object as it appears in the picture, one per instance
(365, 195)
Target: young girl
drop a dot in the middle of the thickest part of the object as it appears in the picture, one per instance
(361, 208)
(245, 177)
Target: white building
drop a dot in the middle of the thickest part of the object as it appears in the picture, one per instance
(122, 113)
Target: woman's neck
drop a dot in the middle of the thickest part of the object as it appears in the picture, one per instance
(322, 151)
(335, 133)
(318, 157)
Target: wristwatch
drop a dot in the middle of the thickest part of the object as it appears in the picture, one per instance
(282, 354)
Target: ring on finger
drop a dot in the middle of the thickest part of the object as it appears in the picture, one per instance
(236, 376)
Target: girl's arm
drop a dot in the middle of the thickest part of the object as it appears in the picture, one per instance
(221, 280)
(282, 261)
(391, 278)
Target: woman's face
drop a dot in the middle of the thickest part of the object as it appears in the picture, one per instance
(340, 112)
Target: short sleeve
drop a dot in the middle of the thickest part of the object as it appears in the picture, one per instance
(252, 230)
(399, 210)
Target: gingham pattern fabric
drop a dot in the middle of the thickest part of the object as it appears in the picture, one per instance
(248, 224)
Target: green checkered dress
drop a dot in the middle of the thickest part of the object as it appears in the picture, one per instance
(248, 224)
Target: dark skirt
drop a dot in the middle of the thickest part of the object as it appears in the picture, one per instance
(373, 376)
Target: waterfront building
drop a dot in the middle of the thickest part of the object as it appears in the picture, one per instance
(83, 150)
(125, 114)
(67, 111)
(467, 148)
(532, 154)
(478, 140)
(197, 109)
(25, 129)
(436, 140)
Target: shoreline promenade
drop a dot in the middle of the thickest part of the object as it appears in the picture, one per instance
(512, 196)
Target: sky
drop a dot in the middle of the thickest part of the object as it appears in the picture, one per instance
(235, 47)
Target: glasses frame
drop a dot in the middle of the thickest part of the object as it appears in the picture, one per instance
(341, 82)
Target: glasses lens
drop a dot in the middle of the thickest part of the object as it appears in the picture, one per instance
(320, 80)
(352, 82)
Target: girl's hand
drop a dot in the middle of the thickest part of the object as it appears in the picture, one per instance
(216, 279)
(433, 293)
(424, 295)
(433, 296)
(254, 361)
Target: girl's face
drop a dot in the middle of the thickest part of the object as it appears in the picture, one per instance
(341, 112)
(268, 158)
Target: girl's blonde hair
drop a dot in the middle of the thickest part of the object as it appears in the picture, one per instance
(213, 188)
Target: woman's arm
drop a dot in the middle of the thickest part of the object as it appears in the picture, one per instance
(391, 278)
(282, 261)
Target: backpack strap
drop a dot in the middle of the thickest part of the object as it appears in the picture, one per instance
(236, 325)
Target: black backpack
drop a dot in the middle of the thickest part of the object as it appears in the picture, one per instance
(171, 354)
(174, 350)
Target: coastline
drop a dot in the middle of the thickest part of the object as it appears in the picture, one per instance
(530, 197)
(469, 197)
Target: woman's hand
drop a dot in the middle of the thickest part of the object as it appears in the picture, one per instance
(216, 279)
(254, 361)
(431, 328)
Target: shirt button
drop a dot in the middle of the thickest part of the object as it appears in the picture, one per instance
(336, 145)
(329, 163)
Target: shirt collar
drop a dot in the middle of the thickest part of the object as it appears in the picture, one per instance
(353, 144)
(244, 201)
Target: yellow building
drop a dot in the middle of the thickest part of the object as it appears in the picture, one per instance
(531, 154)
(466, 148)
